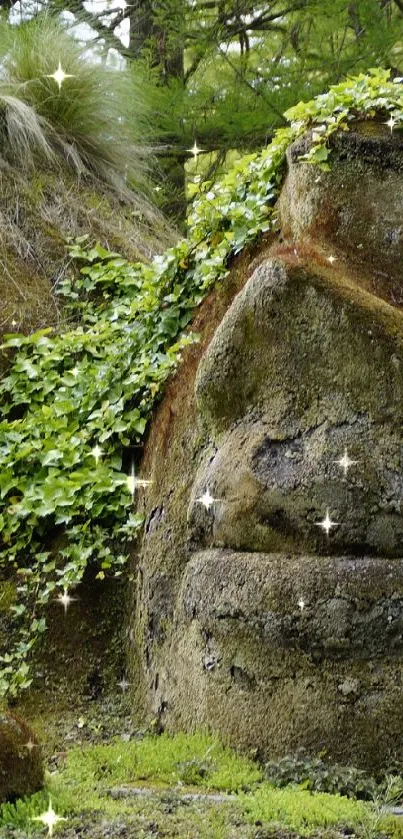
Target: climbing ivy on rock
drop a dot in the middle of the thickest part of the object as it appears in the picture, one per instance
(74, 399)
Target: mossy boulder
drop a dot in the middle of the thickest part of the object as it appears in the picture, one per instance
(353, 212)
(250, 619)
(21, 764)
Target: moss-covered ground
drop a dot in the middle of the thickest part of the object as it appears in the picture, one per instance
(183, 786)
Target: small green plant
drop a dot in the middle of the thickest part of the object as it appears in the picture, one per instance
(317, 775)
(21, 814)
(193, 771)
(389, 794)
(73, 400)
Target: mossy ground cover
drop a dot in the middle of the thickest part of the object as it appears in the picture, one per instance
(183, 786)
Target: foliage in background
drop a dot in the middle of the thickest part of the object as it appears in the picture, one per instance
(94, 123)
(223, 73)
(61, 506)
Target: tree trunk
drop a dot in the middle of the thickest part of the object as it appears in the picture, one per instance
(146, 32)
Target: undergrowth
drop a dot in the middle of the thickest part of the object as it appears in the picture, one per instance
(73, 400)
(159, 765)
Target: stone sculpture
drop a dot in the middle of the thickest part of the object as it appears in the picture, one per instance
(253, 617)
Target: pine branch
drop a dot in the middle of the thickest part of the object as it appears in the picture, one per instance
(255, 91)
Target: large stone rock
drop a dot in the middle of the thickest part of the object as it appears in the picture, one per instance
(21, 765)
(249, 619)
(354, 211)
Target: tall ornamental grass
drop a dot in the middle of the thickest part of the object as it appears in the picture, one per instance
(93, 123)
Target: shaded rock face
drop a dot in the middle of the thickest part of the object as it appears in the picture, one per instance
(21, 766)
(249, 619)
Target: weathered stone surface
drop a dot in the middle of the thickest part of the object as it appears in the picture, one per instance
(280, 675)
(21, 766)
(298, 369)
(354, 211)
(249, 619)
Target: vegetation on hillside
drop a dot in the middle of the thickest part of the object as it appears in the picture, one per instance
(92, 121)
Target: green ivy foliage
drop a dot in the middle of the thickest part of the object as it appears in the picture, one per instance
(318, 775)
(95, 384)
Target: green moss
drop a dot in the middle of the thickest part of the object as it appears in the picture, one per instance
(304, 811)
(158, 768)
(8, 595)
(163, 759)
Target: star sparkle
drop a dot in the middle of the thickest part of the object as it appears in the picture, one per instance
(327, 523)
(133, 482)
(30, 745)
(49, 818)
(96, 453)
(124, 685)
(391, 123)
(65, 600)
(59, 76)
(195, 151)
(206, 499)
(345, 462)
(331, 259)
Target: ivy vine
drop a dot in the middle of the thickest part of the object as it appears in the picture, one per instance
(73, 400)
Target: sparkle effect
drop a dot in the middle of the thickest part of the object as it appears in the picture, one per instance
(59, 76)
(345, 462)
(30, 745)
(391, 123)
(327, 523)
(195, 151)
(301, 604)
(331, 259)
(96, 452)
(124, 685)
(133, 482)
(65, 600)
(206, 499)
(49, 818)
